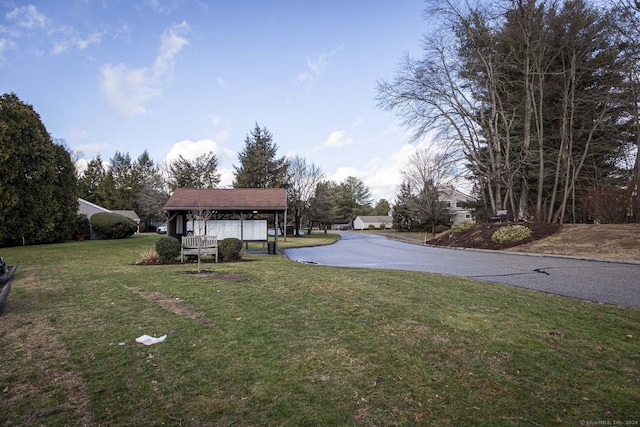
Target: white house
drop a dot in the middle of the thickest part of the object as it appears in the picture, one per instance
(87, 208)
(453, 201)
(363, 222)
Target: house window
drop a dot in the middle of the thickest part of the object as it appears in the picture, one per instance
(446, 203)
(467, 216)
(459, 203)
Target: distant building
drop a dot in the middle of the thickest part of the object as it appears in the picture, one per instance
(363, 222)
(454, 200)
(89, 209)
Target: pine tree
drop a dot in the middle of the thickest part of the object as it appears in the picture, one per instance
(91, 179)
(259, 166)
(199, 173)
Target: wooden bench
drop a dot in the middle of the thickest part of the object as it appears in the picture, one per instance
(199, 245)
(500, 216)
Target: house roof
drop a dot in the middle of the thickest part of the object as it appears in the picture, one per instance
(384, 218)
(228, 199)
(129, 214)
(453, 193)
(84, 202)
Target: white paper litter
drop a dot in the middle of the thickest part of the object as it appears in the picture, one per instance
(148, 340)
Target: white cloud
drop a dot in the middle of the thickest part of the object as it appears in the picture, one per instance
(129, 91)
(27, 22)
(27, 17)
(76, 134)
(171, 43)
(338, 139)
(317, 65)
(226, 178)
(383, 175)
(4, 46)
(356, 123)
(344, 172)
(124, 32)
(91, 39)
(163, 6)
(214, 120)
(64, 38)
(192, 149)
(93, 148)
(81, 165)
(222, 82)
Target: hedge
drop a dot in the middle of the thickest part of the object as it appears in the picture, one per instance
(108, 225)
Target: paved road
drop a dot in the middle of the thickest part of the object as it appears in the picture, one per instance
(615, 283)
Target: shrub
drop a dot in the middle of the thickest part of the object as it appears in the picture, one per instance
(372, 227)
(83, 227)
(149, 256)
(109, 225)
(461, 226)
(230, 249)
(168, 249)
(441, 229)
(382, 227)
(510, 234)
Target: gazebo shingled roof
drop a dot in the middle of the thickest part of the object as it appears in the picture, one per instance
(231, 199)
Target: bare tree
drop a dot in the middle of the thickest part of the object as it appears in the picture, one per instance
(303, 178)
(627, 21)
(527, 94)
(429, 173)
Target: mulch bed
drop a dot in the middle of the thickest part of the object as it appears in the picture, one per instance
(479, 236)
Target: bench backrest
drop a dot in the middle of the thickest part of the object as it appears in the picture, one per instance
(501, 213)
(199, 241)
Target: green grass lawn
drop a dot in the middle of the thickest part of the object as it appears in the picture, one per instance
(268, 341)
(314, 239)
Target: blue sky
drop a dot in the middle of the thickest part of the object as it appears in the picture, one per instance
(192, 76)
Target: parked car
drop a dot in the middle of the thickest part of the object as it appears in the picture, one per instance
(162, 229)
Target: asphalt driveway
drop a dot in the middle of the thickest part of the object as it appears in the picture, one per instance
(616, 283)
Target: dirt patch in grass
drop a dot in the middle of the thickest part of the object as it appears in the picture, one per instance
(219, 275)
(176, 306)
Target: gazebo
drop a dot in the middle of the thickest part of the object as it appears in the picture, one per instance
(233, 212)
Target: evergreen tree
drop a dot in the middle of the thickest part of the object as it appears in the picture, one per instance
(259, 166)
(37, 179)
(382, 207)
(91, 179)
(126, 183)
(404, 215)
(151, 195)
(353, 198)
(199, 173)
(65, 194)
(321, 211)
